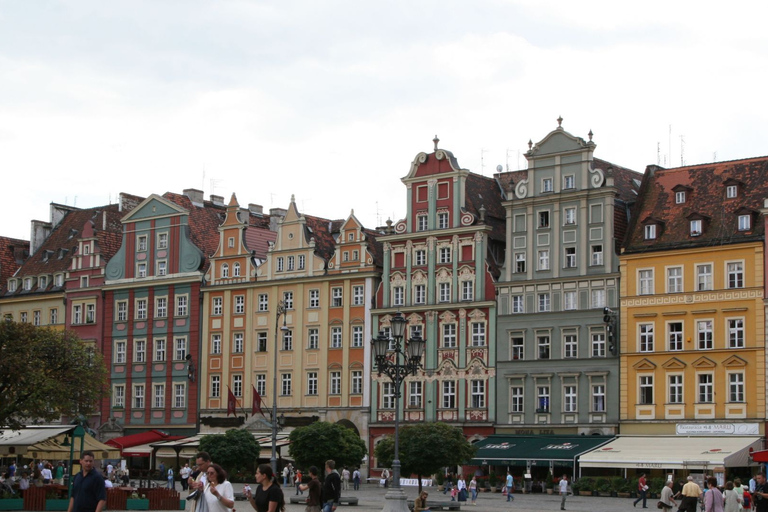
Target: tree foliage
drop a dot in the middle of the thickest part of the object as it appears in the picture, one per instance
(425, 448)
(314, 444)
(235, 451)
(46, 374)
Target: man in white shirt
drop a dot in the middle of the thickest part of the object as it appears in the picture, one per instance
(184, 474)
(563, 491)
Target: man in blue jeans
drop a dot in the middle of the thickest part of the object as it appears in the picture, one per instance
(642, 489)
(510, 486)
(331, 487)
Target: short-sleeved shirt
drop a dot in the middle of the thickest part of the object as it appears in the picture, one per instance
(88, 491)
(262, 497)
(760, 503)
(510, 481)
(314, 492)
(563, 486)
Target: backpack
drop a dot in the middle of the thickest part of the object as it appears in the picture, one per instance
(747, 500)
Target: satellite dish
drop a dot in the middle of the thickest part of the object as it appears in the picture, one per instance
(499, 168)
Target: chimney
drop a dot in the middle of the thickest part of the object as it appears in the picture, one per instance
(127, 202)
(275, 216)
(195, 195)
(256, 209)
(217, 200)
(38, 234)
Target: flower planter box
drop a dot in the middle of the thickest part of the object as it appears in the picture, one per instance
(182, 504)
(12, 504)
(585, 493)
(56, 504)
(137, 504)
(550, 491)
(624, 494)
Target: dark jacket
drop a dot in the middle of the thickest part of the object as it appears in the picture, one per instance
(332, 487)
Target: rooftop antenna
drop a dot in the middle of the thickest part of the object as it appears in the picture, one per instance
(75, 201)
(214, 182)
(714, 156)
(202, 182)
(669, 142)
(682, 150)
(271, 199)
(658, 153)
(483, 151)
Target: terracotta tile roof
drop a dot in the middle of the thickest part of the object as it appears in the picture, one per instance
(13, 252)
(257, 239)
(204, 223)
(627, 183)
(56, 252)
(375, 247)
(323, 231)
(705, 199)
(485, 192)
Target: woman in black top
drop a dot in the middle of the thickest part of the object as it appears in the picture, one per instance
(269, 495)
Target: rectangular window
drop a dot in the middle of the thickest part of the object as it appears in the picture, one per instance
(467, 290)
(442, 220)
(291, 262)
(161, 307)
(569, 398)
(543, 260)
(706, 388)
(520, 262)
(675, 336)
(261, 384)
(237, 385)
(731, 191)
(679, 197)
(570, 346)
(542, 398)
(181, 305)
(180, 349)
(570, 257)
(141, 270)
(544, 219)
(261, 342)
(745, 222)
(398, 296)
(449, 394)
(695, 227)
(445, 292)
(735, 274)
(704, 277)
(518, 304)
(280, 264)
(139, 351)
(646, 337)
(357, 382)
(598, 344)
(54, 313)
(517, 344)
(598, 398)
(313, 338)
(237, 343)
(568, 181)
(314, 298)
(335, 383)
(516, 399)
(387, 395)
(735, 333)
(118, 396)
(676, 389)
(478, 334)
(543, 345)
(264, 302)
(179, 396)
(421, 223)
(569, 300)
(650, 232)
(159, 349)
(477, 388)
(357, 296)
(159, 402)
(704, 334)
(162, 268)
(675, 280)
(335, 337)
(420, 294)
(421, 257)
(141, 309)
(445, 255)
(120, 351)
(77, 314)
(449, 335)
(645, 281)
(336, 297)
(736, 387)
(215, 386)
(546, 185)
(217, 306)
(36, 317)
(138, 396)
(162, 240)
(357, 336)
(239, 304)
(312, 383)
(90, 314)
(544, 303)
(414, 394)
(646, 390)
(302, 261)
(286, 386)
(287, 340)
(288, 300)
(23, 317)
(569, 215)
(216, 344)
(84, 282)
(598, 299)
(597, 255)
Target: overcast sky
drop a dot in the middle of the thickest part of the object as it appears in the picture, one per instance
(332, 100)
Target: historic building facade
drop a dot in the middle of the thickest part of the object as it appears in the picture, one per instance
(440, 265)
(693, 335)
(557, 363)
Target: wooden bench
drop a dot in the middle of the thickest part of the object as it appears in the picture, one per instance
(439, 505)
(344, 500)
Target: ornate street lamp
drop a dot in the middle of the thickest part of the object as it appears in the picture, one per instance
(275, 420)
(397, 371)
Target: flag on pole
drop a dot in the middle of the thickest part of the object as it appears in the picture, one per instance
(231, 402)
(256, 407)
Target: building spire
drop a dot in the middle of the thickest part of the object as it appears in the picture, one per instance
(435, 140)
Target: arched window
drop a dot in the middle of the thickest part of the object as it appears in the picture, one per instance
(236, 270)
(224, 270)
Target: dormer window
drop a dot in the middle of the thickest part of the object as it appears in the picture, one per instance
(731, 191)
(351, 237)
(231, 242)
(58, 280)
(86, 249)
(650, 232)
(12, 285)
(28, 283)
(745, 222)
(680, 197)
(696, 227)
(42, 282)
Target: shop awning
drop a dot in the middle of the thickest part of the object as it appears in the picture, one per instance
(129, 444)
(187, 446)
(759, 456)
(50, 442)
(499, 450)
(672, 452)
(141, 450)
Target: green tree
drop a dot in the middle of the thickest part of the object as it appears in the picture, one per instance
(235, 451)
(425, 448)
(46, 374)
(314, 444)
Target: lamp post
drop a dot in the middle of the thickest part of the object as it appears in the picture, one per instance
(278, 313)
(397, 371)
(78, 432)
